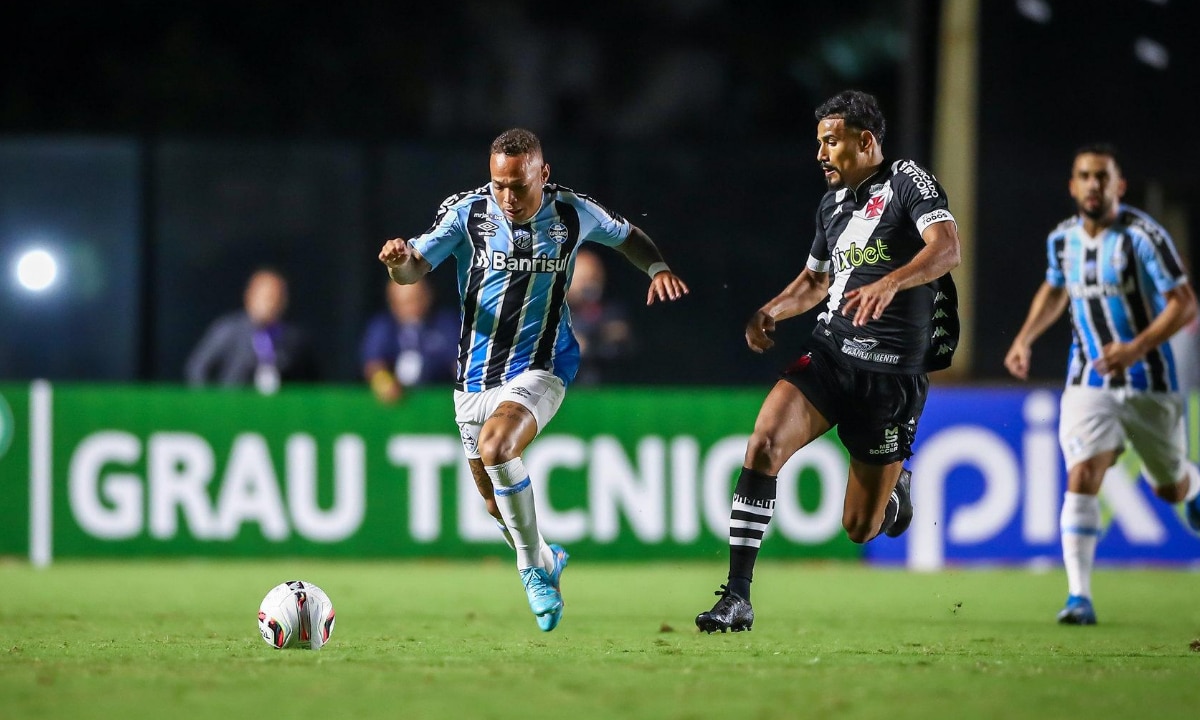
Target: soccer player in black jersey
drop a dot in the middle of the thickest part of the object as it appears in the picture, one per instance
(884, 247)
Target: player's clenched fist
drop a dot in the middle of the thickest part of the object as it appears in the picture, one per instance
(395, 252)
(404, 262)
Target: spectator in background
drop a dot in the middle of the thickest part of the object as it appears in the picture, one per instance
(411, 343)
(1118, 271)
(600, 326)
(254, 346)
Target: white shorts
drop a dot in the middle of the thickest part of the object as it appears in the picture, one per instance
(1095, 420)
(538, 391)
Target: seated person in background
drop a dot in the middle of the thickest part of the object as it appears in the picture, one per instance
(253, 346)
(409, 344)
(601, 326)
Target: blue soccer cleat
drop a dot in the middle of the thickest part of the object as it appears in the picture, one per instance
(550, 620)
(1077, 611)
(544, 599)
(561, 556)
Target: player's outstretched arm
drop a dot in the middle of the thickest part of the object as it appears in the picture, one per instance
(403, 261)
(643, 254)
(1048, 305)
(800, 296)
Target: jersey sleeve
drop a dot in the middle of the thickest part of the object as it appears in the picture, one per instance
(921, 195)
(1055, 276)
(438, 242)
(1156, 251)
(599, 224)
(818, 256)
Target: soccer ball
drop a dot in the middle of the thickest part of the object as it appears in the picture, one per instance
(296, 614)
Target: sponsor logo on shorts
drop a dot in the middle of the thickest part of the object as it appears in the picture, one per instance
(863, 348)
(521, 392)
(890, 444)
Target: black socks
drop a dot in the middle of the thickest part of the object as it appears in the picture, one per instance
(753, 506)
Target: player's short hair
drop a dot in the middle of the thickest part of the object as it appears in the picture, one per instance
(857, 109)
(517, 141)
(1106, 149)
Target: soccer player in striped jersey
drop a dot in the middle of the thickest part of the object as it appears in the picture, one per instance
(515, 241)
(884, 246)
(1120, 275)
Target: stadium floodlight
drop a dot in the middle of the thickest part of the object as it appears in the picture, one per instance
(36, 270)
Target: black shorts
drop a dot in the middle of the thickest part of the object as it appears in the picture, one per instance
(875, 413)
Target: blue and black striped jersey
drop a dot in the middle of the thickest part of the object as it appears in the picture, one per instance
(513, 279)
(1116, 284)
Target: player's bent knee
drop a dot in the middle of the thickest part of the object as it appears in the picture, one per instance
(763, 453)
(497, 450)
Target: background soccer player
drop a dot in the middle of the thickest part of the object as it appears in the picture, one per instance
(1118, 271)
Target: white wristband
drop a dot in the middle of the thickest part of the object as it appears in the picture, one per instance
(656, 268)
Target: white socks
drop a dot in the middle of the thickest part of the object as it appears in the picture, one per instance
(1080, 528)
(514, 497)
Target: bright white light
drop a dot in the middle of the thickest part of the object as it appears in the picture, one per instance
(1035, 10)
(1152, 52)
(36, 270)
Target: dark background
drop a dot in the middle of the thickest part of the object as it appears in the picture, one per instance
(167, 149)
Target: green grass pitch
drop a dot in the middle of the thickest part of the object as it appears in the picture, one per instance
(456, 640)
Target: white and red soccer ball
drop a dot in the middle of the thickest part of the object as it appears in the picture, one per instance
(296, 614)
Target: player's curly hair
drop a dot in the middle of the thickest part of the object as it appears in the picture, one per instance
(857, 109)
(517, 141)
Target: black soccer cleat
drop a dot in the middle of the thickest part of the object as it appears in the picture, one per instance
(904, 513)
(732, 612)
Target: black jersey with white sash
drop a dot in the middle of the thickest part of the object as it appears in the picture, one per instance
(862, 235)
